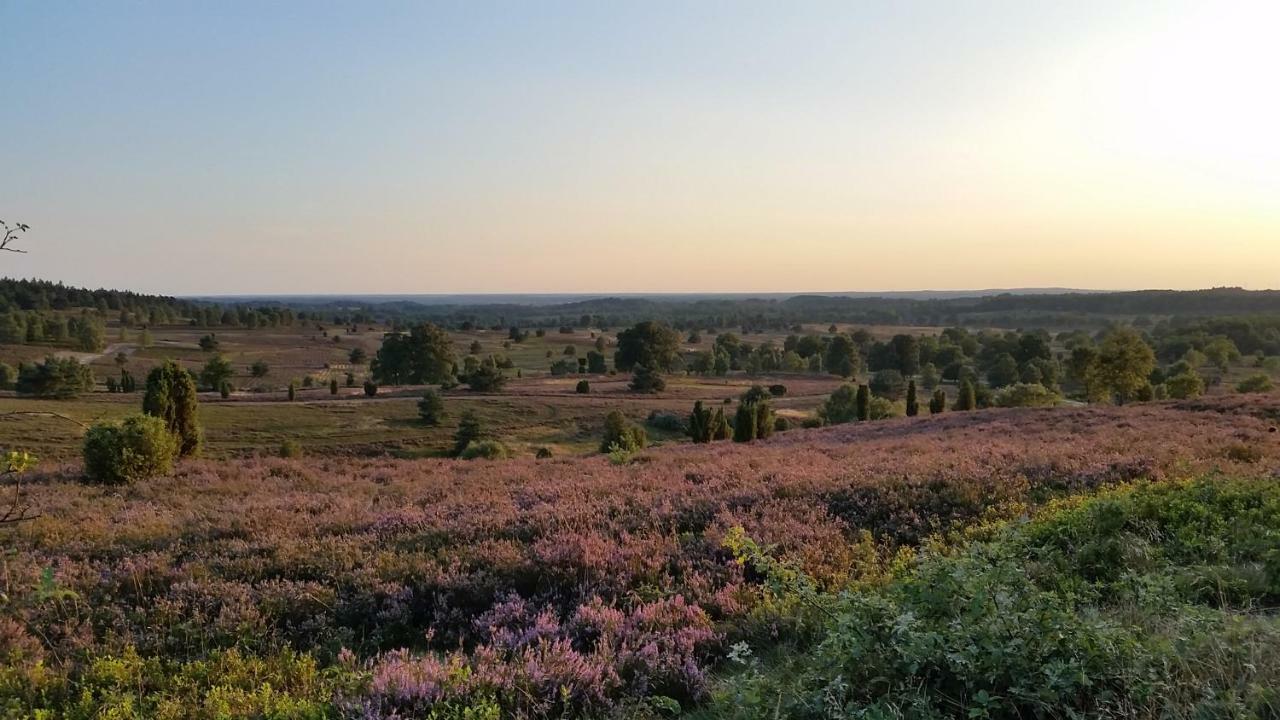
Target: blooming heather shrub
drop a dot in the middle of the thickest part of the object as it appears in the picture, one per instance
(398, 561)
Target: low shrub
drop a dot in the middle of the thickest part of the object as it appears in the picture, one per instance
(485, 449)
(1026, 395)
(1139, 602)
(666, 421)
(138, 448)
(1258, 383)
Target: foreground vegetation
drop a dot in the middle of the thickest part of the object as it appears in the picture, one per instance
(1152, 601)
(580, 586)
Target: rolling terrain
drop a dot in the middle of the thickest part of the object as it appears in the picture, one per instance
(375, 587)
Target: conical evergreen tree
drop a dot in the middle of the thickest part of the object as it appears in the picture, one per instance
(938, 403)
(744, 423)
(913, 404)
(700, 423)
(968, 399)
(863, 402)
(171, 396)
(720, 429)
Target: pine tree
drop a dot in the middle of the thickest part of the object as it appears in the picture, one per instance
(171, 396)
(913, 404)
(863, 402)
(293, 391)
(333, 386)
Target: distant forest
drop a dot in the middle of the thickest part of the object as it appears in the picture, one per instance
(1065, 310)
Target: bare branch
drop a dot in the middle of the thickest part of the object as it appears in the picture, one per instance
(11, 236)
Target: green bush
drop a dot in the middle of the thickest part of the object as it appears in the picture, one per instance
(431, 408)
(583, 387)
(663, 420)
(879, 408)
(59, 378)
(1026, 395)
(564, 367)
(1184, 385)
(841, 406)
(888, 384)
(619, 434)
(485, 449)
(290, 449)
(370, 388)
(647, 380)
(1255, 384)
(136, 449)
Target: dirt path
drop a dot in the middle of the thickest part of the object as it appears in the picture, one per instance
(112, 349)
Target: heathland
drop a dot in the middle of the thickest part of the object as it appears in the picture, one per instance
(484, 512)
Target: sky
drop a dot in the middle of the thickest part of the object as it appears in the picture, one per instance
(474, 146)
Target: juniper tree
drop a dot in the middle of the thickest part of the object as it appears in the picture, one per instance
(913, 404)
(171, 396)
(720, 429)
(938, 403)
(744, 423)
(431, 408)
(968, 398)
(469, 431)
(700, 423)
(863, 403)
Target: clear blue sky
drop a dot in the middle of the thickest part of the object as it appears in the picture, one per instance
(224, 147)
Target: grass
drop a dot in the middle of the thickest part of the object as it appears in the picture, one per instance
(537, 412)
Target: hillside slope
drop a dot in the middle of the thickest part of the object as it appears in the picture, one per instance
(556, 583)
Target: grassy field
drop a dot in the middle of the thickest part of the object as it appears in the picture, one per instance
(530, 413)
